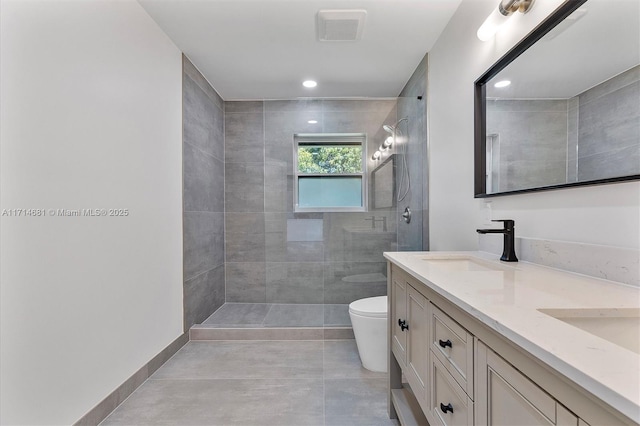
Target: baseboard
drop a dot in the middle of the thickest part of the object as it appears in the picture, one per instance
(115, 398)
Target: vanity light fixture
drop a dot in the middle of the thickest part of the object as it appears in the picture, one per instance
(501, 15)
(309, 84)
(502, 83)
(376, 155)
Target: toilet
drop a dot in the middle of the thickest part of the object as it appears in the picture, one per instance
(369, 321)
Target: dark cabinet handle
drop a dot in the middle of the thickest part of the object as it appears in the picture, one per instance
(446, 408)
(444, 344)
(403, 324)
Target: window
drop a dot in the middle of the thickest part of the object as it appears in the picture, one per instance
(329, 172)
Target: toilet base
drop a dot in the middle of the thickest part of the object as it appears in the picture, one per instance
(371, 339)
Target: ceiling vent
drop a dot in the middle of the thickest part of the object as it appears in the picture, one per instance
(340, 25)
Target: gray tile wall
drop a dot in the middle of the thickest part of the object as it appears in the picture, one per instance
(203, 192)
(533, 141)
(414, 235)
(267, 258)
(609, 128)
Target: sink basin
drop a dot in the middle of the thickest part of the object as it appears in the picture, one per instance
(618, 326)
(460, 263)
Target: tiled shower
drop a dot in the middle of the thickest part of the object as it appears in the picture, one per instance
(283, 268)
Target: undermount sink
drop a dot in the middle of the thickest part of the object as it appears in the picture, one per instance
(618, 326)
(461, 263)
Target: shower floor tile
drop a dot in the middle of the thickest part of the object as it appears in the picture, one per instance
(283, 315)
(239, 315)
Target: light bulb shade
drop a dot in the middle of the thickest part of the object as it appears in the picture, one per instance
(388, 142)
(376, 155)
(491, 25)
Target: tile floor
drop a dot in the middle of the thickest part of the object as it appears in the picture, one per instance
(252, 315)
(253, 383)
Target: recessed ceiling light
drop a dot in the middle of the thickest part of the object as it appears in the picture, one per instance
(312, 121)
(503, 83)
(309, 83)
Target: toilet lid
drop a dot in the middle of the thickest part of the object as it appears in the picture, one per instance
(375, 307)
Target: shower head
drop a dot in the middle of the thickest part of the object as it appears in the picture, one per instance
(391, 129)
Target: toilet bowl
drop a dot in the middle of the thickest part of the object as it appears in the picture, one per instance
(369, 321)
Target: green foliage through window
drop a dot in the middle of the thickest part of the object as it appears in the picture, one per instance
(330, 159)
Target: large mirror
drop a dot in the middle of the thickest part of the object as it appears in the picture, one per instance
(571, 113)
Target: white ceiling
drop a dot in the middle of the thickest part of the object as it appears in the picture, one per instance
(264, 49)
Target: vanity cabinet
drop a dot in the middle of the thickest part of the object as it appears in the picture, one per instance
(410, 331)
(460, 372)
(506, 397)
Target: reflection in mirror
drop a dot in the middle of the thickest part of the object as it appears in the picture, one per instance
(571, 113)
(383, 184)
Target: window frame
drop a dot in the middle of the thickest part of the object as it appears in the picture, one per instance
(315, 139)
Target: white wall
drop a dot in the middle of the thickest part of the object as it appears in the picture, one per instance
(608, 215)
(91, 118)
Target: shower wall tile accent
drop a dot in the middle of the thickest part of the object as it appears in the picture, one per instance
(203, 192)
(611, 263)
(274, 255)
(414, 235)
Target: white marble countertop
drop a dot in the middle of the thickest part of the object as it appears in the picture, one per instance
(508, 298)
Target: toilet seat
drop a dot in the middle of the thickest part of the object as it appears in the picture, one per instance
(371, 307)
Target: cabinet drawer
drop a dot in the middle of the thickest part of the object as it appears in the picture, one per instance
(448, 404)
(453, 346)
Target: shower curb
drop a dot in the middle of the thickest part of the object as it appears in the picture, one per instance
(202, 332)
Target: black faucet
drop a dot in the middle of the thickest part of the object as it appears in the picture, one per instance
(508, 251)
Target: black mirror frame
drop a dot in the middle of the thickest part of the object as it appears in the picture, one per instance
(480, 109)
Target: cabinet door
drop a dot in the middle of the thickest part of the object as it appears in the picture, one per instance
(399, 314)
(506, 397)
(418, 344)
